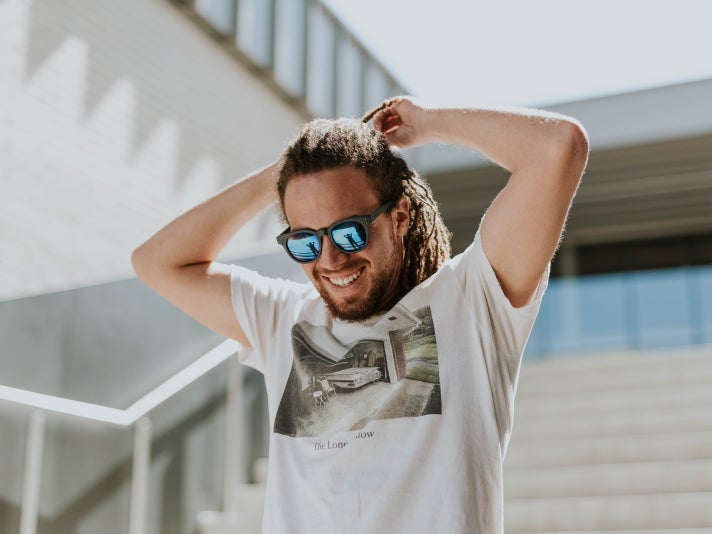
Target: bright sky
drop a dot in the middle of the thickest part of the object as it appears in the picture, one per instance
(533, 52)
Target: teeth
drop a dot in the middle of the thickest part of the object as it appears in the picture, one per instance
(343, 282)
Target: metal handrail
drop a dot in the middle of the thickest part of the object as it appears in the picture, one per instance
(129, 416)
(135, 415)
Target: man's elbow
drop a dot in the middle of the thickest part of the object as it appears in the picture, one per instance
(140, 261)
(565, 155)
(573, 148)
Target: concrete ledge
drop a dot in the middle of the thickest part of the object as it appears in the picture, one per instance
(622, 423)
(646, 531)
(664, 396)
(636, 117)
(663, 447)
(689, 476)
(633, 512)
(603, 374)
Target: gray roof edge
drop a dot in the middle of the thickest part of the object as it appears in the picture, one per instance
(626, 119)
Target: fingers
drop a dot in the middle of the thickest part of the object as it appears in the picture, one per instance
(384, 116)
(393, 119)
(386, 121)
(389, 123)
(388, 103)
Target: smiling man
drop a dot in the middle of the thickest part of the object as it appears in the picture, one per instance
(355, 280)
(391, 376)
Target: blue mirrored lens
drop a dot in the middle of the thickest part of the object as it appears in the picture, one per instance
(349, 236)
(304, 246)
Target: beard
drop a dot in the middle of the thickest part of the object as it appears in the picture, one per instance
(382, 296)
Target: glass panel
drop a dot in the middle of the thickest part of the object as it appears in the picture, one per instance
(601, 313)
(254, 30)
(663, 311)
(348, 78)
(538, 342)
(71, 344)
(289, 51)
(544, 331)
(564, 328)
(630, 310)
(320, 62)
(703, 297)
(219, 13)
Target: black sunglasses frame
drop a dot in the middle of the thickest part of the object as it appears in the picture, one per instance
(363, 220)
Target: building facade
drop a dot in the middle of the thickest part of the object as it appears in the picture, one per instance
(115, 118)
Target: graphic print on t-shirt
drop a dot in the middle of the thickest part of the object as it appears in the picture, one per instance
(391, 373)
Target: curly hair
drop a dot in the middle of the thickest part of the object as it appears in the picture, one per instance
(331, 144)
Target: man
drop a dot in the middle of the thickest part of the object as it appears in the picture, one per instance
(422, 450)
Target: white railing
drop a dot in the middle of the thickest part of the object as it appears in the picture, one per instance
(135, 416)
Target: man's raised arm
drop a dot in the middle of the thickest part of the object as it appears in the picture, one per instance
(546, 154)
(178, 261)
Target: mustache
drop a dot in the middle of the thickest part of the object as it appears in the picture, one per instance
(342, 271)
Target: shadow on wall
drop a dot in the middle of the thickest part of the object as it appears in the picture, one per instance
(169, 83)
(120, 116)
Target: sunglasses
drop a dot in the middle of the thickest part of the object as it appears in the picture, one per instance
(348, 235)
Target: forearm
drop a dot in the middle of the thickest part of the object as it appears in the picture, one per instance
(201, 233)
(510, 138)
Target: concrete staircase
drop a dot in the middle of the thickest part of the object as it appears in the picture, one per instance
(616, 443)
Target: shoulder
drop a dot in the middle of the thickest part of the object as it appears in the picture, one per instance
(243, 277)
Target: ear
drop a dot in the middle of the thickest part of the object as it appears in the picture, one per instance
(401, 216)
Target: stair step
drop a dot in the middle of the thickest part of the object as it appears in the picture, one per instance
(629, 512)
(615, 371)
(623, 422)
(209, 522)
(587, 402)
(646, 531)
(617, 443)
(692, 476)
(608, 449)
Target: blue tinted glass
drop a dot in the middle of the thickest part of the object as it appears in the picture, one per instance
(704, 303)
(349, 236)
(662, 308)
(304, 246)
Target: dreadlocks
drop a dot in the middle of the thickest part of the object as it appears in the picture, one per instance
(331, 144)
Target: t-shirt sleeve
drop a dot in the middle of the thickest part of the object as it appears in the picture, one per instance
(261, 305)
(506, 328)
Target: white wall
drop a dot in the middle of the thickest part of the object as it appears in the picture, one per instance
(115, 117)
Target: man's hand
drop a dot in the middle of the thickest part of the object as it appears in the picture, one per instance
(401, 120)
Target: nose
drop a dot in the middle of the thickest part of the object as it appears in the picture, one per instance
(331, 257)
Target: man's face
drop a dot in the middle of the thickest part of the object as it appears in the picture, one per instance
(354, 286)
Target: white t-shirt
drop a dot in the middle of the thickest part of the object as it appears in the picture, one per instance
(396, 425)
